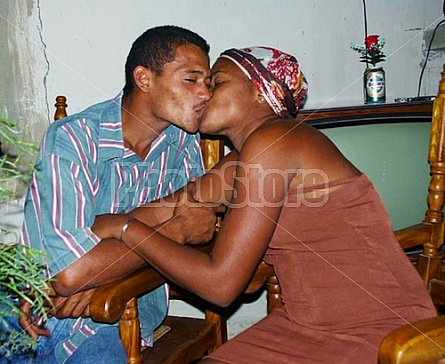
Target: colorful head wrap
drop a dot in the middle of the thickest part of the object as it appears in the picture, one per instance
(276, 74)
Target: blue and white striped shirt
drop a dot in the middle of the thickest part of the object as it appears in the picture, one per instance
(84, 170)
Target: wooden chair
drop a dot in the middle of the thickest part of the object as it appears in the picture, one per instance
(188, 339)
(424, 341)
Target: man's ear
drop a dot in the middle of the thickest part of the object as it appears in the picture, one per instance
(142, 78)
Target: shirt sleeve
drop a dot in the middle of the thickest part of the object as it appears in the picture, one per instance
(59, 208)
(193, 164)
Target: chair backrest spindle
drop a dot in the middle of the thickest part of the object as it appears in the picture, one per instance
(61, 106)
(430, 263)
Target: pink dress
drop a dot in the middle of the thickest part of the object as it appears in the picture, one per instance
(345, 283)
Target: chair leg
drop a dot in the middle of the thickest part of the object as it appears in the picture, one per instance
(220, 324)
(129, 329)
(429, 263)
(429, 267)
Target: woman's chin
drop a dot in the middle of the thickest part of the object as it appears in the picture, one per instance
(204, 130)
(204, 127)
(210, 125)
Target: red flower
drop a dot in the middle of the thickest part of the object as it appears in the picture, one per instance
(372, 50)
(371, 41)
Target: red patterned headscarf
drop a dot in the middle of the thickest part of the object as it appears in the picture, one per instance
(276, 74)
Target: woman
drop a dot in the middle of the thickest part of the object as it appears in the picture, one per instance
(299, 204)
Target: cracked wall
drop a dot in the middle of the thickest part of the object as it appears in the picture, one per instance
(23, 67)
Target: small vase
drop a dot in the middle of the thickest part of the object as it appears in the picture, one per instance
(374, 86)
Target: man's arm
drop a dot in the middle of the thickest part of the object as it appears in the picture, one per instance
(76, 305)
(69, 215)
(109, 260)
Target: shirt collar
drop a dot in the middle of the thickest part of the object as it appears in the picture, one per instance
(111, 140)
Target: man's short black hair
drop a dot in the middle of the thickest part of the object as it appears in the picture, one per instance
(156, 47)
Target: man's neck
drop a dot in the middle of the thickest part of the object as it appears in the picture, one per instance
(139, 128)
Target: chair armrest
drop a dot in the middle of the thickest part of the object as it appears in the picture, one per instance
(260, 276)
(109, 300)
(422, 342)
(414, 235)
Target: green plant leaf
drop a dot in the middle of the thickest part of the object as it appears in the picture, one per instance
(21, 267)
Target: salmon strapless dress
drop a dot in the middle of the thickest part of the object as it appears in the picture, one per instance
(345, 282)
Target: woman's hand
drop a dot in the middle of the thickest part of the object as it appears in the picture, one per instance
(110, 225)
(190, 222)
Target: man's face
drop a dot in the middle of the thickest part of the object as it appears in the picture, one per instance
(180, 94)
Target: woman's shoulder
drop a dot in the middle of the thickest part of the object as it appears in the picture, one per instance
(283, 136)
(267, 146)
(288, 128)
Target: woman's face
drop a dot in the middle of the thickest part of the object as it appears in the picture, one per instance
(233, 96)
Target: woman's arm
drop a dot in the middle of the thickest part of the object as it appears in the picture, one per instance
(247, 230)
(216, 186)
(166, 215)
(160, 211)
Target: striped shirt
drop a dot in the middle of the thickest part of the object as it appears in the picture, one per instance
(83, 170)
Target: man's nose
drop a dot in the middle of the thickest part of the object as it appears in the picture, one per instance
(205, 93)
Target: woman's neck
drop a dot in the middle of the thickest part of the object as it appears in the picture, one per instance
(239, 136)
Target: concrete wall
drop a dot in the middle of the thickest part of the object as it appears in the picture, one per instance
(78, 48)
(51, 47)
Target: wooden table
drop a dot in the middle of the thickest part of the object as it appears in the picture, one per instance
(419, 111)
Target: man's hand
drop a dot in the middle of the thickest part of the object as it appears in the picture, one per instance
(29, 323)
(195, 225)
(76, 305)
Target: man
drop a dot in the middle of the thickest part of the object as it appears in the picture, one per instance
(112, 158)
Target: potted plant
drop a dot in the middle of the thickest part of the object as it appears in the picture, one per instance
(21, 267)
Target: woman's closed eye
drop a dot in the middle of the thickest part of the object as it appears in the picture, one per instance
(215, 83)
